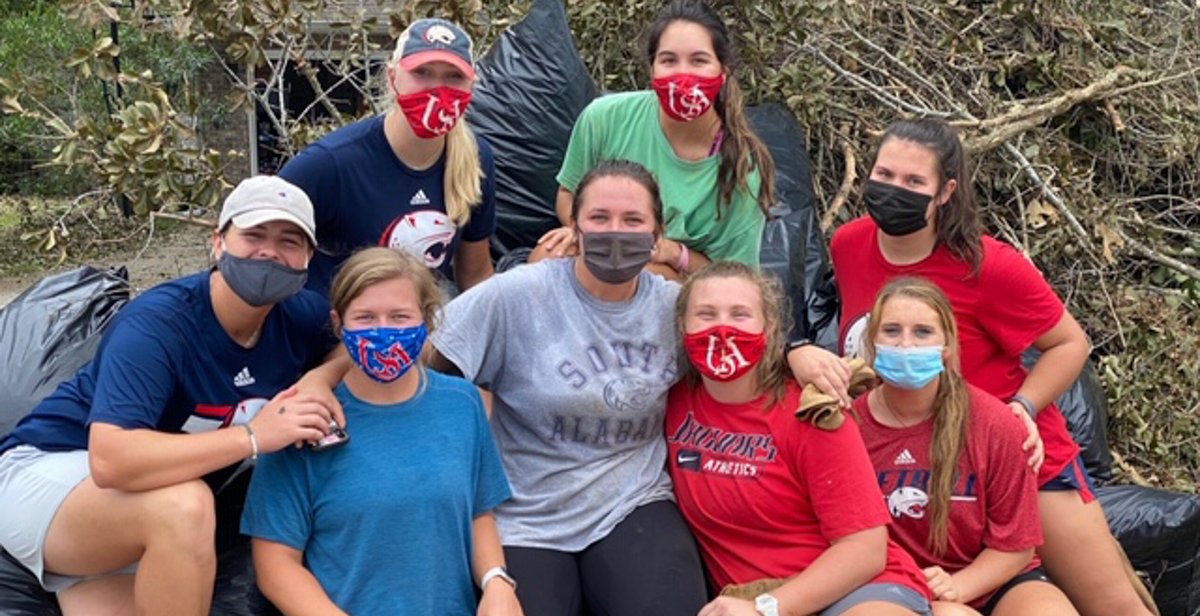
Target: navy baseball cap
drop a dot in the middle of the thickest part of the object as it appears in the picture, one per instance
(435, 40)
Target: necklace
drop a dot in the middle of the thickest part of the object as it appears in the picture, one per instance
(882, 399)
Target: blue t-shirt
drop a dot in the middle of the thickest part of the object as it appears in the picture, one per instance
(165, 363)
(363, 195)
(385, 520)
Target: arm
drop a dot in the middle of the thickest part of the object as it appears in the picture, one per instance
(666, 260)
(320, 381)
(499, 597)
(848, 563)
(831, 374)
(138, 459)
(472, 264)
(284, 580)
(989, 571)
(1065, 350)
(558, 242)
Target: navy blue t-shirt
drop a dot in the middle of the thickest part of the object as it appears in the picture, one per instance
(166, 363)
(364, 195)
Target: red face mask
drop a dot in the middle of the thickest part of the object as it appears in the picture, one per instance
(724, 353)
(433, 112)
(684, 96)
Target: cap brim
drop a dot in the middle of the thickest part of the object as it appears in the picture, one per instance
(258, 217)
(412, 61)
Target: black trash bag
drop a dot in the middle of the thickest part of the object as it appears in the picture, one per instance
(236, 590)
(1085, 406)
(20, 592)
(532, 86)
(1160, 532)
(793, 247)
(48, 332)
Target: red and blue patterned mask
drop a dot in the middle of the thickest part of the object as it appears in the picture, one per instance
(385, 353)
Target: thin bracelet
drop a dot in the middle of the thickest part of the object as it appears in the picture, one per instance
(1025, 402)
(685, 258)
(253, 442)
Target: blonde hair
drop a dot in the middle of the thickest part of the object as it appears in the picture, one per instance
(462, 179)
(951, 404)
(371, 266)
(772, 370)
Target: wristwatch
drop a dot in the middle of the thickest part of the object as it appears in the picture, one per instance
(799, 342)
(767, 604)
(496, 572)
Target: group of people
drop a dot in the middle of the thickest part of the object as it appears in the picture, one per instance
(636, 448)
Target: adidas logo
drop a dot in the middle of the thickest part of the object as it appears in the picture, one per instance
(905, 457)
(243, 378)
(419, 198)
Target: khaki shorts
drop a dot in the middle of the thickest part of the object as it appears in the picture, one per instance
(33, 485)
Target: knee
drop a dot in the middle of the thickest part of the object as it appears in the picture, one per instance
(185, 512)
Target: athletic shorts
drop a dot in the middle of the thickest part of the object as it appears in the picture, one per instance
(897, 594)
(33, 485)
(1073, 477)
(1033, 575)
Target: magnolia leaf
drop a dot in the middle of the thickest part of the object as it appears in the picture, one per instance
(1111, 239)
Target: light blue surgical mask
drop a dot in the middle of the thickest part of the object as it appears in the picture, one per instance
(908, 367)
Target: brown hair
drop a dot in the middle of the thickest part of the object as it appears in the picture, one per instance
(951, 405)
(371, 266)
(772, 371)
(957, 221)
(620, 169)
(741, 150)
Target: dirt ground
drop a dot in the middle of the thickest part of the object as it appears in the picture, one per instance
(180, 251)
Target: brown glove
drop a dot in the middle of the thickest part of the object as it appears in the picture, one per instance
(825, 411)
(750, 590)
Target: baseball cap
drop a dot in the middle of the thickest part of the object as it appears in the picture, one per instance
(435, 40)
(264, 198)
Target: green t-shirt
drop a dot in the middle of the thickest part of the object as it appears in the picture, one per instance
(626, 126)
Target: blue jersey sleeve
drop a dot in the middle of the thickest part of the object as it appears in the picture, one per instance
(483, 219)
(491, 484)
(279, 501)
(137, 373)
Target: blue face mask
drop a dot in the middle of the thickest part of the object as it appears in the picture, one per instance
(908, 367)
(385, 353)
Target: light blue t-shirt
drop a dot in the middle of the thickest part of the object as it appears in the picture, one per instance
(385, 520)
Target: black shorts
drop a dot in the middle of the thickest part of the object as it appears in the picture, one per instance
(1033, 575)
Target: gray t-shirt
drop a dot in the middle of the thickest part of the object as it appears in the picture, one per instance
(580, 389)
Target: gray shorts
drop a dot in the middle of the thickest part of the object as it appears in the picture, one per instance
(897, 594)
(33, 485)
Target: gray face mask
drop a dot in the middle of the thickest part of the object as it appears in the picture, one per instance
(260, 282)
(615, 257)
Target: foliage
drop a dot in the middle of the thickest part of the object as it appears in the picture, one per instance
(1083, 117)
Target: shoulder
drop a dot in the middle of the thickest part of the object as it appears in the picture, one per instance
(992, 419)
(1005, 265)
(662, 291)
(351, 134)
(486, 154)
(620, 104)
(307, 308)
(853, 231)
(173, 302)
(453, 392)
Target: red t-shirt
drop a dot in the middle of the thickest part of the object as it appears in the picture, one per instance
(1000, 313)
(994, 503)
(766, 494)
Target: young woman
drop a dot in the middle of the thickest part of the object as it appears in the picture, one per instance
(415, 178)
(104, 477)
(949, 461)
(397, 520)
(716, 176)
(770, 497)
(578, 355)
(923, 222)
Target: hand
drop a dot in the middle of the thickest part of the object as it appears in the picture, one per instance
(666, 252)
(317, 388)
(499, 599)
(290, 418)
(728, 606)
(941, 583)
(560, 242)
(1033, 444)
(830, 373)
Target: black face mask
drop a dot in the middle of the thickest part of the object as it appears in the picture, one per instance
(260, 282)
(896, 210)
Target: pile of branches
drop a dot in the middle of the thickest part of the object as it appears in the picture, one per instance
(1083, 122)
